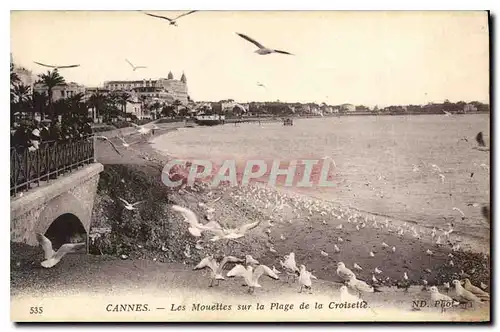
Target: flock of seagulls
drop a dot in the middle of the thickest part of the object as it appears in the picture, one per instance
(280, 205)
(262, 50)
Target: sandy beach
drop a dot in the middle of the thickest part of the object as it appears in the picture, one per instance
(305, 226)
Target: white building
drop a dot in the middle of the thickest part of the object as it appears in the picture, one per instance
(348, 108)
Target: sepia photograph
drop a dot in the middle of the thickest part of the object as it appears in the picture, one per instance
(250, 166)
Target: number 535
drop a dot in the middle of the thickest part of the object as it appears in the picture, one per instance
(36, 310)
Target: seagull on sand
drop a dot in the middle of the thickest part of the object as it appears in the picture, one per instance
(305, 279)
(53, 257)
(345, 296)
(107, 140)
(440, 300)
(173, 21)
(357, 267)
(290, 266)
(129, 206)
(195, 228)
(343, 272)
(252, 276)
(249, 260)
(56, 66)
(462, 294)
(262, 49)
(360, 286)
(475, 290)
(135, 67)
(216, 268)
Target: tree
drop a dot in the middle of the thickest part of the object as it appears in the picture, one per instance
(143, 100)
(168, 111)
(51, 80)
(176, 104)
(154, 107)
(77, 105)
(125, 97)
(38, 102)
(14, 78)
(97, 102)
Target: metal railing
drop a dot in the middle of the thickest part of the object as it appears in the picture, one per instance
(28, 169)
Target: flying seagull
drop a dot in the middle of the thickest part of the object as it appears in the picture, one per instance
(53, 257)
(107, 140)
(262, 49)
(56, 67)
(134, 67)
(129, 206)
(260, 84)
(216, 268)
(143, 130)
(124, 143)
(195, 228)
(173, 21)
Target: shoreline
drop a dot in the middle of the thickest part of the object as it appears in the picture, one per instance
(305, 226)
(425, 240)
(471, 242)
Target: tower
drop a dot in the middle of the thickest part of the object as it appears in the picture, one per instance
(183, 78)
(170, 75)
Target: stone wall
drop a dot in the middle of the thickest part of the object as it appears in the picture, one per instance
(38, 208)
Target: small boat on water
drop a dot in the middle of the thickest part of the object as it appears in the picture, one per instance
(209, 120)
(287, 122)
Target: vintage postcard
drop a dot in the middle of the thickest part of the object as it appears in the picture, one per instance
(250, 166)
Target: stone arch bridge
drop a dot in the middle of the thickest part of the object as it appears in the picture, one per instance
(60, 209)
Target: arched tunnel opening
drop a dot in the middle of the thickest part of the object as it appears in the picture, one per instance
(67, 228)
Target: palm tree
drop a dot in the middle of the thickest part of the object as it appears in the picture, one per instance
(124, 99)
(14, 78)
(97, 102)
(38, 102)
(168, 110)
(21, 93)
(77, 105)
(176, 104)
(143, 100)
(51, 80)
(155, 107)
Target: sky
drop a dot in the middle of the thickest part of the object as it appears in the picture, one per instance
(364, 58)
